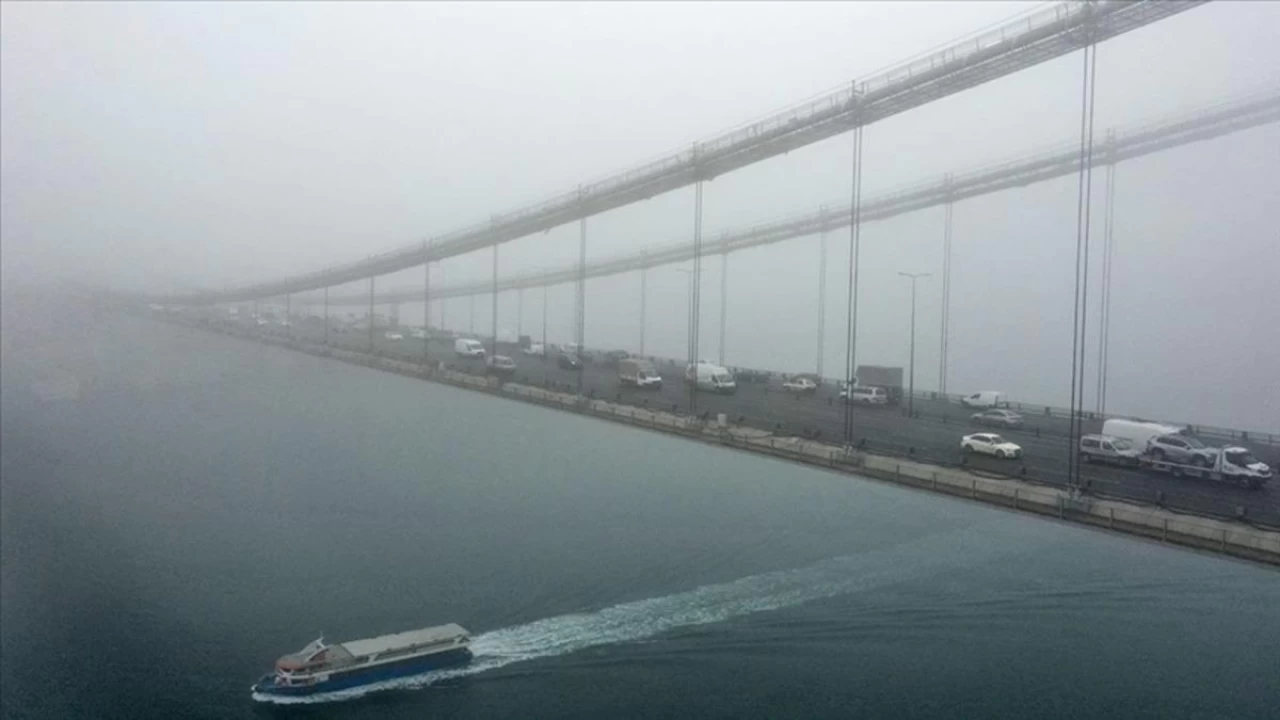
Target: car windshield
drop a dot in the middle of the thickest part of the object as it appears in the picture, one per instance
(1121, 444)
(1192, 441)
(1242, 458)
(995, 439)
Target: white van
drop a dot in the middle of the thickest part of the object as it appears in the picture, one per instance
(867, 396)
(1137, 432)
(712, 377)
(984, 399)
(467, 348)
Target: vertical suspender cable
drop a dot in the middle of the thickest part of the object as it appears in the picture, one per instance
(822, 292)
(494, 308)
(1108, 248)
(851, 328)
(724, 299)
(1082, 262)
(946, 290)
(580, 330)
(695, 293)
(426, 304)
(371, 313)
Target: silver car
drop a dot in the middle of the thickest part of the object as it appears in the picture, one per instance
(997, 418)
(1181, 449)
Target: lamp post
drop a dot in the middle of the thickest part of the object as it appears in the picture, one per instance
(911, 383)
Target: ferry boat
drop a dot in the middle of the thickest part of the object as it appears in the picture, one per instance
(320, 667)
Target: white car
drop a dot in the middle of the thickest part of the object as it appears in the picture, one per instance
(990, 444)
(394, 336)
(418, 334)
(865, 395)
(534, 349)
(501, 364)
(800, 385)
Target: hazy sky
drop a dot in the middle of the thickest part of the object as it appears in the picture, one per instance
(165, 146)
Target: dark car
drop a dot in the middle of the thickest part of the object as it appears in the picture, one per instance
(569, 362)
(997, 418)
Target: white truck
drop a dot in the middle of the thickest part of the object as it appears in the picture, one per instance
(1228, 464)
(984, 399)
(468, 348)
(639, 373)
(711, 378)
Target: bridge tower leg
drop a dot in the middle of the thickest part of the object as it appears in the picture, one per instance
(326, 316)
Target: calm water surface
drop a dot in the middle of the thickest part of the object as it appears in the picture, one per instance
(179, 508)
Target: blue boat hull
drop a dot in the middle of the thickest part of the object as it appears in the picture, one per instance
(367, 676)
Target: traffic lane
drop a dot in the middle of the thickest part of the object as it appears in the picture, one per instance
(1046, 458)
(939, 409)
(883, 429)
(757, 404)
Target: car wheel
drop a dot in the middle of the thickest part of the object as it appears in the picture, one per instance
(1000, 454)
(1158, 454)
(968, 449)
(1199, 461)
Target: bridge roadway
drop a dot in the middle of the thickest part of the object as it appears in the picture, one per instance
(932, 436)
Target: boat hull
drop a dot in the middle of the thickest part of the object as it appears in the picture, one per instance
(356, 677)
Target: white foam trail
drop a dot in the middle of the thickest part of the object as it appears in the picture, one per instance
(642, 619)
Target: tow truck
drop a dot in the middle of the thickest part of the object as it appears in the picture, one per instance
(1229, 464)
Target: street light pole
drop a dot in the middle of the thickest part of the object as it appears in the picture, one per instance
(544, 322)
(911, 390)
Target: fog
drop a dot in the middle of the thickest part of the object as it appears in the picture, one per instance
(171, 147)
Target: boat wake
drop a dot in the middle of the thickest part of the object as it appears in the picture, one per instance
(641, 619)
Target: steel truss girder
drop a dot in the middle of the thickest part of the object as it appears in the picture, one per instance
(1047, 33)
(1203, 124)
